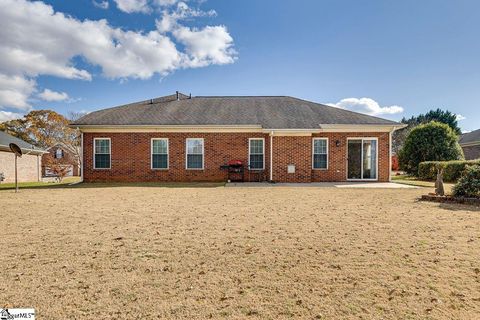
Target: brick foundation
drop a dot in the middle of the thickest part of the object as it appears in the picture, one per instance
(131, 158)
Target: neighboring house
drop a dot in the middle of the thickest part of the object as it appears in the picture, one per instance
(395, 163)
(279, 139)
(64, 155)
(470, 143)
(29, 165)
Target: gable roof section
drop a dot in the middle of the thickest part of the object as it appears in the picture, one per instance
(470, 138)
(6, 139)
(268, 112)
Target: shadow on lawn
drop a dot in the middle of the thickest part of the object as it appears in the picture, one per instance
(459, 207)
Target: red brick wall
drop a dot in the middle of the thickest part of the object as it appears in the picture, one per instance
(337, 156)
(295, 150)
(130, 154)
(130, 157)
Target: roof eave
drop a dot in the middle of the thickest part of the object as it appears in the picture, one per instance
(384, 127)
(24, 150)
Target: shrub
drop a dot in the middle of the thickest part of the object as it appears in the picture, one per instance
(433, 141)
(452, 170)
(469, 183)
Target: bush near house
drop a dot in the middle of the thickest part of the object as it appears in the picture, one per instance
(433, 141)
(452, 170)
(469, 183)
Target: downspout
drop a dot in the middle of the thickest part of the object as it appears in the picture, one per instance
(39, 178)
(82, 158)
(390, 155)
(271, 156)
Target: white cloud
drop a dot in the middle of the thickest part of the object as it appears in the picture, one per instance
(49, 95)
(203, 46)
(6, 116)
(132, 6)
(143, 6)
(101, 4)
(367, 106)
(170, 18)
(15, 91)
(460, 117)
(165, 3)
(35, 40)
(210, 45)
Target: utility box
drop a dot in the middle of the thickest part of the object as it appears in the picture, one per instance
(291, 168)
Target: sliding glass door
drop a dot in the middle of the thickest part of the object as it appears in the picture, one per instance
(362, 156)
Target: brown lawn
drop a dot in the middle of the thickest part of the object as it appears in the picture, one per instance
(240, 253)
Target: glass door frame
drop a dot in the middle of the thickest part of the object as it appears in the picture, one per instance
(361, 168)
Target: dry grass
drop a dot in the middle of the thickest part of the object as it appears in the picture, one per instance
(259, 253)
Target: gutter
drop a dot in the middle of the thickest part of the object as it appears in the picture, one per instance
(470, 144)
(153, 126)
(24, 150)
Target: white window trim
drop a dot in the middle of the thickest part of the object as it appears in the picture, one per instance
(263, 152)
(186, 154)
(109, 149)
(151, 154)
(313, 154)
(361, 173)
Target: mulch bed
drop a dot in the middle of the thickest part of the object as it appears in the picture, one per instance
(450, 199)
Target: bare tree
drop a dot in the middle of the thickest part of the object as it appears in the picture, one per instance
(58, 167)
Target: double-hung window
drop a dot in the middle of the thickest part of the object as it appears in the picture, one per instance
(194, 153)
(160, 153)
(102, 153)
(320, 153)
(256, 157)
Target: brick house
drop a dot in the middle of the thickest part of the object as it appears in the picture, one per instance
(29, 166)
(63, 154)
(278, 139)
(470, 143)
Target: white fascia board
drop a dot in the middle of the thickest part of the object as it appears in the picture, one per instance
(360, 127)
(176, 128)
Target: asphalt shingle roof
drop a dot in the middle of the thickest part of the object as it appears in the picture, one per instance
(279, 112)
(470, 137)
(6, 139)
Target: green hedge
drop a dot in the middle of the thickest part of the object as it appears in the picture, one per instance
(452, 170)
(469, 183)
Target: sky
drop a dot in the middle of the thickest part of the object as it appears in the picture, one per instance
(390, 59)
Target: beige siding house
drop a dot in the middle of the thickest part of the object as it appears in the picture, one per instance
(29, 165)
